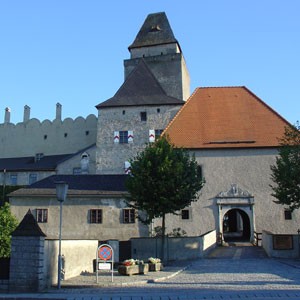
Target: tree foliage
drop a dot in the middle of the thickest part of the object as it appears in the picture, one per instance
(286, 172)
(163, 180)
(8, 224)
(5, 190)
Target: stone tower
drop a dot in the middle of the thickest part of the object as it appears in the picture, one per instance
(156, 82)
(156, 44)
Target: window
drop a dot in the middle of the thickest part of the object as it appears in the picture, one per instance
(96, 216)
(39, 156)
(128, 215)
(143, 116)
(76, 171)
(32, 178)
(123, 137)
(158, 133)
(42, 215)
(13, 179)
(199, 171)
(154, 134)
(287, 214)
(185, 214)
(45, 136)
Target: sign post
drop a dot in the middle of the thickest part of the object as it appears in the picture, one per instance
(105, 260)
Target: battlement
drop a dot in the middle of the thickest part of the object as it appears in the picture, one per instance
(49, 137)
(26, 115)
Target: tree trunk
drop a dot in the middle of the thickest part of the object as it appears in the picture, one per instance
(163, 229)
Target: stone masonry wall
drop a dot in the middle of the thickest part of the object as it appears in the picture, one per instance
(27, 264)
(111, 156)
(170, 71)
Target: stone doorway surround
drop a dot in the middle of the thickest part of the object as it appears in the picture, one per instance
(236, 198)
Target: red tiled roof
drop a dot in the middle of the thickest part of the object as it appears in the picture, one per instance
(225, 117)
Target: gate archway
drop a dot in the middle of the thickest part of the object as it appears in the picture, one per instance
(236, 226)
(236, 215)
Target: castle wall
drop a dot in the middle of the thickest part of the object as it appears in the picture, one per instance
(51, 138)
(250, 170)
(111, 156)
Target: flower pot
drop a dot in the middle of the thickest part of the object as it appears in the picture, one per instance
(133, 269)
(154, 267)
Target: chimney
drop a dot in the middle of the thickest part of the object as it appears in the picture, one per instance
(26, 113)
(58, 111)
(7, 115)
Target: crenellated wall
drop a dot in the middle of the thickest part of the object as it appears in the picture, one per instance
(47, 137)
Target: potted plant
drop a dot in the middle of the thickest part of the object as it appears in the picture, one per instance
(133, 266)
(155, 264)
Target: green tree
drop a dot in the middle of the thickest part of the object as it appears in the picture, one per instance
(5, 190)
(8, 224)
(163, 180)
(286, 171)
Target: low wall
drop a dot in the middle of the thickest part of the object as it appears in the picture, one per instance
(280, 245)
(77, 255)
(176, 248)
(4, 285)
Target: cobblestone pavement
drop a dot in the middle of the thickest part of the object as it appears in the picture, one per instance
(233, 273)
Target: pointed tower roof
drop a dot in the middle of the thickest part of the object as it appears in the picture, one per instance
(140, 88)
(226, 117)
(156, 30)
(28, 227)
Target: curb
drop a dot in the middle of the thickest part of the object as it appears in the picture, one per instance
(124, 284)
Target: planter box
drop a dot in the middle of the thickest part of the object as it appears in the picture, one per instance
(132, 270)
(155, 267)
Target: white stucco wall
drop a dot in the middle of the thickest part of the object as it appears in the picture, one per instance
(78, 258)
(48, 137)
(75, 213)
(250, 170)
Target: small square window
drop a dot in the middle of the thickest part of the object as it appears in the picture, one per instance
(13, 179)
(185, 214)
(143, 116)
(42, 215)
(158, 133)
(45, 136)
(96, 216)
(287, 214)
(76, 171)
(32, 178)
(128, 215)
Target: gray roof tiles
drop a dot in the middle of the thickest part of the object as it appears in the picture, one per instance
(156, 30)
(139, 89)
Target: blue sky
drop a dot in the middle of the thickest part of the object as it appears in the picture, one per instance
(72, 51)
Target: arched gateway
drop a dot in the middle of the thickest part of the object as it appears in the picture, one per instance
(236, 211)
